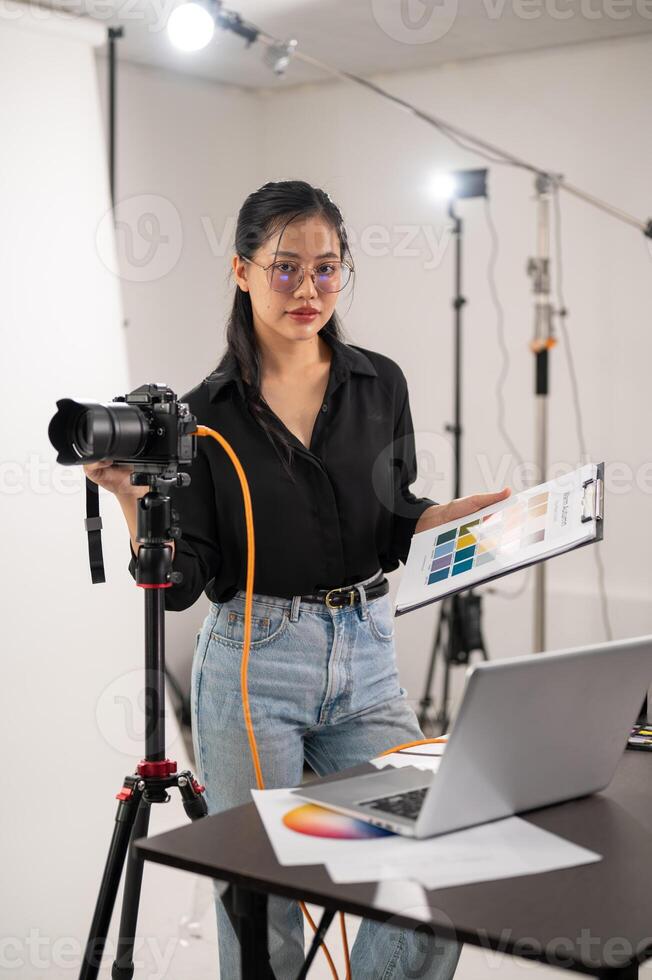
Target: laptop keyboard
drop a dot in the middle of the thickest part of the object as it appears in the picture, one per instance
(401, 804)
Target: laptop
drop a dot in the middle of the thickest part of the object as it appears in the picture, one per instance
(530, 731)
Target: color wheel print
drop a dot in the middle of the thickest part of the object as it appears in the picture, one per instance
(317, 821)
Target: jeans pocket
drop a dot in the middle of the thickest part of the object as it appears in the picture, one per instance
(268, 623)
(381, 617)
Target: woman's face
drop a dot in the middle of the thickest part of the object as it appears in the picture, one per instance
(308, 242)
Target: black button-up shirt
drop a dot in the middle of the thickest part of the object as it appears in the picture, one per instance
(348, 511)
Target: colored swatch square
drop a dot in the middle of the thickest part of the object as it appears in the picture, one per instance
(485, 558)
(443, 549)
(441, 563)
(541, 498)
(465, 527)
(447, 536)
(534, 538)
(437, 576)
(464, 553)
(462, 566)
(465, 540)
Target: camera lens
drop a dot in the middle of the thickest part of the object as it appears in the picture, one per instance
(83, 437)
(84, 432)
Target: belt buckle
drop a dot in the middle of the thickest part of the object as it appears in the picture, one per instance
(327, 598)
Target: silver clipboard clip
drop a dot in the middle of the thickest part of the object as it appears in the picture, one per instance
(593, 499)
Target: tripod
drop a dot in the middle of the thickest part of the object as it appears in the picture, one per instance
(460, 613)
(154, 774)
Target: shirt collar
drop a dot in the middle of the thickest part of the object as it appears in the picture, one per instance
(346, 360)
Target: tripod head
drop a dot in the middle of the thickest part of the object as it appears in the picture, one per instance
(157, 526)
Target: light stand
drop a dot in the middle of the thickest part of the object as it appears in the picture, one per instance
(544, 340)
(113, 34)
(459, 628)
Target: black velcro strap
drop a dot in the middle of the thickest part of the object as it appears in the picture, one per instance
(93, 525)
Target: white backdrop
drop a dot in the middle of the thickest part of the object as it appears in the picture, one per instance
(71, 652)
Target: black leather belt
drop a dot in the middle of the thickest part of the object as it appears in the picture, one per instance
(348, 595)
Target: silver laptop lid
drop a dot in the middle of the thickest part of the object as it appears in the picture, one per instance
(538, 729)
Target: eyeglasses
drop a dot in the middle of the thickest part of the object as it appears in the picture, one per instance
(286, 277)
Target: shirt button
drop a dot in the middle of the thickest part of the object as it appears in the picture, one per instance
(324, 407)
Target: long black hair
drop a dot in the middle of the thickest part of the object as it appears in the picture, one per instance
(265, 212)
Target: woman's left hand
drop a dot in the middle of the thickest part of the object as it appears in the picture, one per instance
(460, 507)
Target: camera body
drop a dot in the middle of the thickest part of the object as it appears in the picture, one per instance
(148, 428)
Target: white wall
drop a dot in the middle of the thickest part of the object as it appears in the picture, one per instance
(68, 646)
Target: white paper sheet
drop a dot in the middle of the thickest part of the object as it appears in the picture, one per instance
(502, 849)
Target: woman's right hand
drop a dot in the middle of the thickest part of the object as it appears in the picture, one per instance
(114, 477)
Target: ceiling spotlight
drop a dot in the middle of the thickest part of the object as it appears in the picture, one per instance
(191, 26)
(277, 56)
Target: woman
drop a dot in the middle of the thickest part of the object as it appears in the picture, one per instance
(324, 433)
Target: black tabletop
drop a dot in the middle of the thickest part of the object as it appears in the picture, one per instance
(599, 914)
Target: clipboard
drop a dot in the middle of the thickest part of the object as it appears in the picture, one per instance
(527, 528)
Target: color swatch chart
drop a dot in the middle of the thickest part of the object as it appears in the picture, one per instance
(484, 540)
(525, 528)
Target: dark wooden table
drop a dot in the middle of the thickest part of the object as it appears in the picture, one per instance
(595, 919)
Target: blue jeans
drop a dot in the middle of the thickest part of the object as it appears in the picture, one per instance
(324, 687)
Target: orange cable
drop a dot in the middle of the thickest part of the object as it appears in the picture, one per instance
(408, 745)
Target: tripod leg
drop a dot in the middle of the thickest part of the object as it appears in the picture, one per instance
(123, 966)
(124, 822)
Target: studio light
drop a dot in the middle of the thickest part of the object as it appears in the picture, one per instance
(191, 26)
(442, 186)
(459, 184)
